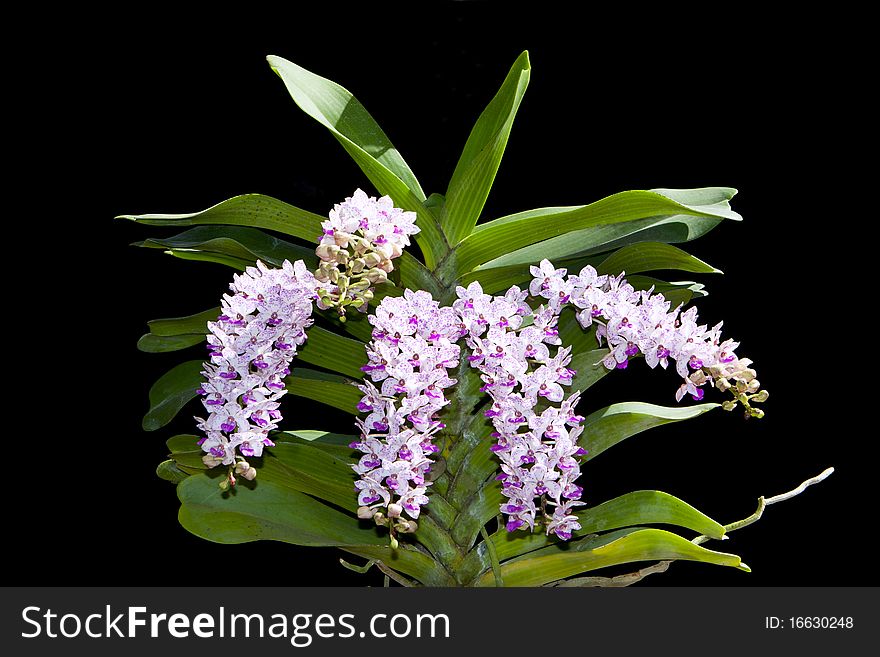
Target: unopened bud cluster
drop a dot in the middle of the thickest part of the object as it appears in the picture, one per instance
(361, 238)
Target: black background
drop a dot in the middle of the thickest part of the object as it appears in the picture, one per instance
(147, 114)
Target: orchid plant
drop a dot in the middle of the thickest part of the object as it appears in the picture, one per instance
(466, 370)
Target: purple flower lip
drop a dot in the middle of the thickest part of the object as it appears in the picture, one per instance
(258, 420)
(623, 365)
(228, 427)
(474, 359)
(513, 525)
(381, 239)
(282, 345)
(268, 442)
(355, 445)
(499, 448)
(434, 336)
(364, 407)
(214, 402)
(491, 413)
(275, 385)
(698, 395)
(695, 363)
(729, 359)
(216, 451)
(380, 426)
(551, 332)
(260, 364)
(414, 321)
(514, 508)
(201, 391)
(201, 441)
(228, 375)
(369, 499)
(372, 463)
(563, 534)
(631, 349)
(581, 452)
(662, 352)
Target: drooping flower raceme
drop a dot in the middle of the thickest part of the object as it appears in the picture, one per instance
(251, 346)
(538, 450)
(634, 322)
(363, 235)
(410, 355)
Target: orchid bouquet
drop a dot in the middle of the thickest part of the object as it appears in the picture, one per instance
(466, 370)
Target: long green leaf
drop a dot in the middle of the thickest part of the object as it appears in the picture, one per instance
(206, 256)
(507, 236)
(651, 256)
(333, 352)
(349, 122)
(645, 507)
(478, 164)
(336, 391)
(612, 424)
(171, 392)
(191, 324)
(268, 509)
(241, 242)
(255, 210)
(157, 344)
(591, 554)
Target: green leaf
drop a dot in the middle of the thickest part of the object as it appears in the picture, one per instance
(197, 323)
(267, 509)
(645, 507)
(156, 344)
(604, 551)
(349, 122)
(322, 437)
(311, 470)
(171, 392)
(651, 256)
(169, 471)
(333, 352)
(501, 242)
(205, 256)
(255, 210)
(336, 391)
(185, 451)
(478, 164)
(612, 424)
(249, 244)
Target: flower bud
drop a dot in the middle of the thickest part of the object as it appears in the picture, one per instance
(729, 405)
(761, 396)
(342, 258)
(367, 295)
(211, 461)
(250, 474)
(365, 513)
(357, 265)
(379, 518)
(327, 252)
(753, 385)
(394, 510)
(376, 276)
(722, 384)
(407, 526)
(334, 276)
(372, 259)
(241, 467)
(341, 238)
(224, 485)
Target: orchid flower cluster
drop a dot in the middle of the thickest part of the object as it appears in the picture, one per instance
(251, 346)
(413, 348)
(634, 322)
(519, 373)
(362, 235)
